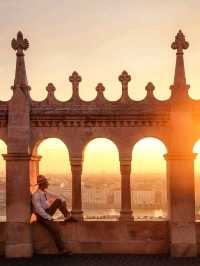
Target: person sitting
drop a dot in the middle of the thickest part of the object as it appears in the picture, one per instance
(44, 211)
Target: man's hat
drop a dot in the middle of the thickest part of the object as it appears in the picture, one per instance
(41, 179)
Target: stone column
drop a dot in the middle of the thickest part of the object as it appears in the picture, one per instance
(19, 239)
(76, 169)
(181, 198)
(125, 169)
(34, 170)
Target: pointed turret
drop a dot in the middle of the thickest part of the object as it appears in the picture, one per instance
(20, 44)
(179, 87)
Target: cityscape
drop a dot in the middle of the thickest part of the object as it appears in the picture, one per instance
(101, 197)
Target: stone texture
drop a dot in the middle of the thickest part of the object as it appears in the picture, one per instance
(25, 123)
(106, 237)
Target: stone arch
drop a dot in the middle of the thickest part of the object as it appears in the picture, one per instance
(37, 140)
(162, 137)
(59, 174)
(101, 190)
(148, 179)
(99, 135)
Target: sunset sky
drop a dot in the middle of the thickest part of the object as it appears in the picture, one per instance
(99, 39)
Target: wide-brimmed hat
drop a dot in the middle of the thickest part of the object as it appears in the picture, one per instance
(41, 179)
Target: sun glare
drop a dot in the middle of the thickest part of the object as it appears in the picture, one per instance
(101, 156)
(55, 157)
(196, 148)
(147, 157)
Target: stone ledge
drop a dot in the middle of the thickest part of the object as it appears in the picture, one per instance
(141, 237)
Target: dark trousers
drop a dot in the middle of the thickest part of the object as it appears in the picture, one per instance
(51, 226)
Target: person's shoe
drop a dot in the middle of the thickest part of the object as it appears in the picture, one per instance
(67, 219)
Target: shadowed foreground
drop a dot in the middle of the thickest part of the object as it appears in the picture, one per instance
(100, 260)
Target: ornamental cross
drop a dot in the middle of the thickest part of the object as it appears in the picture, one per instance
(100, 88)
(124, 78)
(20, 44)
(50, 88)
(75, 79)
(180, 43)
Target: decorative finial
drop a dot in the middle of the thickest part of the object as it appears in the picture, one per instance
(100, 88)
(180, 87)
(180, 43)
(75, 79)
(150, 88)
(50, 88)
(20, 44)
(124, 78)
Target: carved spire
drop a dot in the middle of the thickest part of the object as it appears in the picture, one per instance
(75, 79)
(150, 88)
(179, 78)
(100, 88)
(124, 78)
(20, 44)
(51, 89)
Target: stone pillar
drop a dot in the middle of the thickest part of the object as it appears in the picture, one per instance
(34, 170)
(18, 239)
(125, 169)
(181, 198)
(76, 169)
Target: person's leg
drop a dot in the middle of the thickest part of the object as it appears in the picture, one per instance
(52, 227)
(58, 205)
(64, 210)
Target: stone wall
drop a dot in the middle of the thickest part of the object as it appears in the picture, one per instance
(142, 237)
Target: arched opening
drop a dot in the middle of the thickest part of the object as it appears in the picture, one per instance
(3, 149)
(196, 149)
(55, 165)
(148, 179)
(101, 182)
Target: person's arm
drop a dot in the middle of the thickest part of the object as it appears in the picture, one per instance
(38, 207)
(54, 196)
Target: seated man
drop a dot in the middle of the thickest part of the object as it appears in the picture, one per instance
(44, 211)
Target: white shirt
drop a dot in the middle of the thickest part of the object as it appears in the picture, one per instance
(40, 204)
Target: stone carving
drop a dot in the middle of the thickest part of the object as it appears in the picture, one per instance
(100, 88)
(150, 88)
(75, 79)
(124, 78)
(24, 123)
(20, 43)
(51, 89)
(180, 42)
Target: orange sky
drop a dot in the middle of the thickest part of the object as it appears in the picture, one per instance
(99, 39)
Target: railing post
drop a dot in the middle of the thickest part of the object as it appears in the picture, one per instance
(125, 169)
(18, 207)
(76, 169)
(181, 198)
